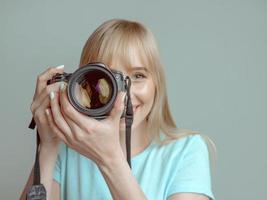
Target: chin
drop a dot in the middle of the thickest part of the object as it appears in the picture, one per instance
(138, 112)
(134, 125)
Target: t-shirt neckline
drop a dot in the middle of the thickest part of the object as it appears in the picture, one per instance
(144, 152)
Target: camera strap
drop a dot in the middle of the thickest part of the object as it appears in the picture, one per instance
(128, 120)
(37, 190)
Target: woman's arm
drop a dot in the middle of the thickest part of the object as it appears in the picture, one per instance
(47, 158)
(49, 143)
(122, 184)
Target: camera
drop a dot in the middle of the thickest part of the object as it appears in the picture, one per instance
(92, 89)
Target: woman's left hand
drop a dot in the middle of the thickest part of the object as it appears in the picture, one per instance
(97, 140)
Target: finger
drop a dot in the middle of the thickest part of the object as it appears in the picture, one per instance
(83, 121)
(58, 117)
(117, 110)
(73, 122)
(53, 126)
(45, 76)
(39, 113)
(44, 96)
(77, 133)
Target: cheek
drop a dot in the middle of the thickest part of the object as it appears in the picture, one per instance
(145, 92)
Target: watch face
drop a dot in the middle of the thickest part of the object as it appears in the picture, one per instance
(37, 192)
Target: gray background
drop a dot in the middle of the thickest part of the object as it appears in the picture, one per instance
(215, 57)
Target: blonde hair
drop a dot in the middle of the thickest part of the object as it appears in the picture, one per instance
(116, 38)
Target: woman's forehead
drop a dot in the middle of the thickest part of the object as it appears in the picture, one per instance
(127, 66)
(132, 62)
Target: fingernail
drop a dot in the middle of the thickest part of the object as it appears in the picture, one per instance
(62, 87)
(52, 95)
(47, 112)
(60, 67)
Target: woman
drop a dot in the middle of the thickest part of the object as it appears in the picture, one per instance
(83, 158)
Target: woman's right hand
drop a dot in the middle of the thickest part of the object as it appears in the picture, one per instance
(41, 104)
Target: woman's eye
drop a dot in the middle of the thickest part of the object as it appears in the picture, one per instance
(138, 76)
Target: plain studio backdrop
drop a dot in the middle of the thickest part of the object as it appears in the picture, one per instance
(214, 53)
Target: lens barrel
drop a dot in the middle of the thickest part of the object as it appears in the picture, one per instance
(92, 89)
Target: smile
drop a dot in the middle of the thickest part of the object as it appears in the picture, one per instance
(135, 108)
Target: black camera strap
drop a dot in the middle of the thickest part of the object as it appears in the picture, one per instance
(128, 120)
(37, 191)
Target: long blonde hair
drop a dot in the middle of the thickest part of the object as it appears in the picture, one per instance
(115, 38)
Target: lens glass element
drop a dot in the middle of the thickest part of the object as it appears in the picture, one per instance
(93, 89)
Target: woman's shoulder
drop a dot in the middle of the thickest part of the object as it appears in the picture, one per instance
(186, 140)
(186, 145)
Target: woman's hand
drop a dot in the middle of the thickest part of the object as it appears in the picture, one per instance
(97, 140)
(41, 102)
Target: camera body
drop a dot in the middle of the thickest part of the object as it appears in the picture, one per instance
(92, 89)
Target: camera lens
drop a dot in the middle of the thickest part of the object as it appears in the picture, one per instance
(93, 90)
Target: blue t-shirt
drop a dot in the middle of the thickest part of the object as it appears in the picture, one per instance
(161, 171)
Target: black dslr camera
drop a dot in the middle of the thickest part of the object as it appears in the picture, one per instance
(92, 89)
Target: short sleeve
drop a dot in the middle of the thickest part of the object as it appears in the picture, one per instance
(58, 164)
(193, 171)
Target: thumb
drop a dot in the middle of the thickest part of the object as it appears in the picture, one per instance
(118, 107)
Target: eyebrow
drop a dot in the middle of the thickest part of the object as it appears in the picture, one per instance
(139, 69)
